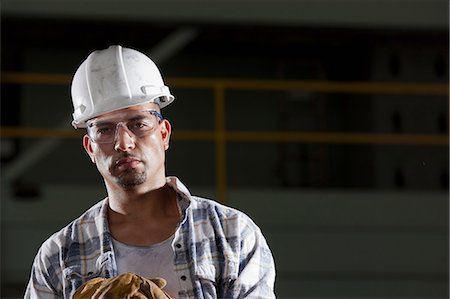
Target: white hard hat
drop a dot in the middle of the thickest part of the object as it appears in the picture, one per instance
(113, 79)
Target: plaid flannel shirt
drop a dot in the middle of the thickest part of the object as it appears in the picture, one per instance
(219, 253)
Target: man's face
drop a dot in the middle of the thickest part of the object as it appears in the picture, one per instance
(128, 146)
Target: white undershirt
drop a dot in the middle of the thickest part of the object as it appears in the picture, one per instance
(149, 261)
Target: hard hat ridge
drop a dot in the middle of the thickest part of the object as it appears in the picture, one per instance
(113, 79)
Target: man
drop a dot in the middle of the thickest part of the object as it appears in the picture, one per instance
(149, 224)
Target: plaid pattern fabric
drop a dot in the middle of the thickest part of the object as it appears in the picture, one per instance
(219, 253)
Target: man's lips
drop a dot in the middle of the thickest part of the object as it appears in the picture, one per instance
(127, 162)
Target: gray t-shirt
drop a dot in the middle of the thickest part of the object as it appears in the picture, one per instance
(149, 261)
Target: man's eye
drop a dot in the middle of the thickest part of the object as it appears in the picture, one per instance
(104, 131)
(140, 125)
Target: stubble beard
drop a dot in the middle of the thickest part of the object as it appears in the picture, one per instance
(131, 178)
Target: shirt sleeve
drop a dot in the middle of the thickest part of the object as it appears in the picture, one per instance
(44, 281)
(256, 276)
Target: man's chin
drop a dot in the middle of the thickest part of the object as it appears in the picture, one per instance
(131, 180)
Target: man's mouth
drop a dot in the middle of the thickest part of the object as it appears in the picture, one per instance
(127, 162)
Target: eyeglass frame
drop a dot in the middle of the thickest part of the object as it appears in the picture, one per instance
(155, 113)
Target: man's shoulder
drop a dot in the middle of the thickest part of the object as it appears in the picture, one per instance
(87, 221)
(210, 204)
(204, 207)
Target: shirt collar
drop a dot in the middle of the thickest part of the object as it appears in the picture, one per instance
(183, 194)
(183, 198)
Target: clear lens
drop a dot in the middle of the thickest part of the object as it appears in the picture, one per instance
(104, 131)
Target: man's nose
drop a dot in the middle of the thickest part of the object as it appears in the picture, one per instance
(124, 139)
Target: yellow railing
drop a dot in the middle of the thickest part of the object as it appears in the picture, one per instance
(221, 136)
(305, 85)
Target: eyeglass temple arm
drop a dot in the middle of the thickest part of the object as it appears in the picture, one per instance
(154, 112)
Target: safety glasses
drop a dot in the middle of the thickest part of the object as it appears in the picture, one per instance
(138, 123)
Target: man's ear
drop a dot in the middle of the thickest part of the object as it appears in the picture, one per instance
(87, 144)
(166, 129)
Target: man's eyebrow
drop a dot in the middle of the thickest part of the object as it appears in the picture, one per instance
(112, 122)
(138, 117)
(100, 123)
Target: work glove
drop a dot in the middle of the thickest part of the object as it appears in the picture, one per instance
(124, 286)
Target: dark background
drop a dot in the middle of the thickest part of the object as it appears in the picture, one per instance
(345, 217)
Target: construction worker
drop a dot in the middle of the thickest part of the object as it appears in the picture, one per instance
(148, 224)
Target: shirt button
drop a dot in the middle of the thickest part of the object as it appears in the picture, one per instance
(183, 277)
(178, 245)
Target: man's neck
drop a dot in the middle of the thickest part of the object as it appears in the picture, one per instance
(143, 219)
(141, 200)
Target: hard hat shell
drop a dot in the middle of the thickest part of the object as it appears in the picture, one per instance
(113, 79)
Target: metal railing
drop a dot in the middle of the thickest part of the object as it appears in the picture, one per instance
(221, 136)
